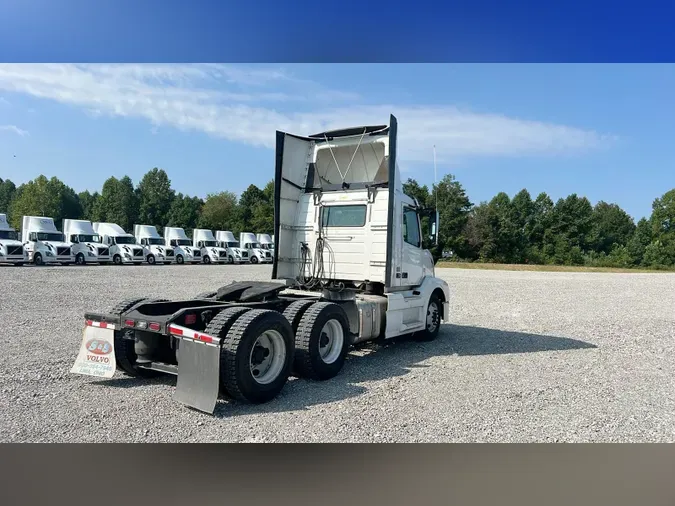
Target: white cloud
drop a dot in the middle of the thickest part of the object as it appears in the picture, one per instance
(236, 103)
(14, 129)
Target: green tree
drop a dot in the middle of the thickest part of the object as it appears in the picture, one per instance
(641, 238)
(262, 218)
(661, 252)
(522, 214)
(155, 197)
(7, 193)
(568, 237)
(219, 212)
(45, 197)
(118, 203)
(538, 228)
(247, 201)
(612, 226)
(184, 212)
(88, 201)
(453, 209)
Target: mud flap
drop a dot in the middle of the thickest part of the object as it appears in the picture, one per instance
(198, 383)
(96, 356)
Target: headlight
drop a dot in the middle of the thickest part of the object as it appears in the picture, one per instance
(49, 254)
(127, 255)
(91, 254)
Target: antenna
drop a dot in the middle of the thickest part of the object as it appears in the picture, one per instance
(435, 182)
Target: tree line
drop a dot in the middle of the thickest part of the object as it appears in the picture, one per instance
(526, 230)
(521, 230)
(151, 202)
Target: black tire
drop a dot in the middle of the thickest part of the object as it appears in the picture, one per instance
(79, 259)
(206, 259)
(117, 259)
(230, 259)
(432, 327)
(254, 259)
(151, 259)
(37, 259)
(308, 362)
(179, 259)
(125, 356)
(219, 326)
(239, 381)
(294, 312)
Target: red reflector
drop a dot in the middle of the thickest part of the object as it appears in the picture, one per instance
(89, 323)
(202, 337)
(129, 323)
(175, 331)
(190, 318)
(154, 326)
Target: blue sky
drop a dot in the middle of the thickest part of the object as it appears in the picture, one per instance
(603, 131)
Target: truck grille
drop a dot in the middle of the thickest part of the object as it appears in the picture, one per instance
(267, 254)
(62, 251)
(103, 251)
(244, 254)
(14, 250)
(169, 252)
(138, 252)
(222, 254)
(197, 253)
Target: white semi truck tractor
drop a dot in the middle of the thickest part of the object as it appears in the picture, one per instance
(204, 240)
(249, 242)
(44, 243)
(86, 244)
(11, 248)
(235, 254)
(266, 242)
(155, 251)
(176, 238)
(348, 267)
(124, 248)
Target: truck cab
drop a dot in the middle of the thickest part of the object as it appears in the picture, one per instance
(209, 247)
(266, 242)
(235, 254)
(86, 244)
(176, 238)
(154, 249)
(124, 249)
(249, 243)
(44, 243)
(11, 248)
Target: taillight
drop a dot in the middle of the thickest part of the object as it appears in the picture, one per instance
(154, 326)
(190, 318)
(129, 323)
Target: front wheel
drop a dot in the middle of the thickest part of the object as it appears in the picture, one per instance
(151, 259)
(256, 356)
(433, 320)
(79, 259)
(179, 259)
(117, 260)
(37, 259)
(207, 259)
(254, 259)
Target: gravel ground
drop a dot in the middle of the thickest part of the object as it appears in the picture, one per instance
(526, 357)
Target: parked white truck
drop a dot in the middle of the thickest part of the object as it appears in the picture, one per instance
(266, 243)
(44, 243)
(11, 248)
(349, 267)
(176, 238)
(249, 242)
(207, 244)
(124, 249)
(86, 245)
(154, 249)
(235, 254)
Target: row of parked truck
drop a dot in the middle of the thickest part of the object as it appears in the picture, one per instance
(83, 242)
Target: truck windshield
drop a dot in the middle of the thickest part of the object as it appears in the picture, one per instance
(49, 236)
(9, 234)
(88, 238)
(254, 245)
(124, 239)
(232, 244)
(210, 243)
(155, 241)
(266, 246)
(181, 242)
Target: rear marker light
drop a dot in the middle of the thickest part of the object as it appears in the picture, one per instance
(129, 323)
(154, 326)
(190, 318)
(142, 325)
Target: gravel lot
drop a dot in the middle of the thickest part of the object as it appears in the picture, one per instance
(527, 357)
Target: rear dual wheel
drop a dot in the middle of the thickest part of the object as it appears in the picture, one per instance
(256, 356)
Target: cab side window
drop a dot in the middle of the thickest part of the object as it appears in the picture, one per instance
(411, 228)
